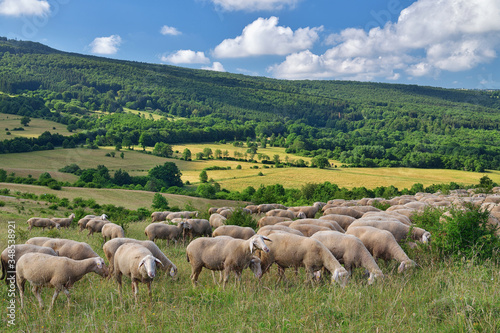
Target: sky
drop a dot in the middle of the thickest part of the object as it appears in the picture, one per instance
(443, 43)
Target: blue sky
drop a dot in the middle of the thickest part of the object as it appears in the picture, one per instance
(445, 43)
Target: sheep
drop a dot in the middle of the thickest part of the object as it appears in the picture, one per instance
(199, 227)
(225, 253)
(11, 255)
(37, 240)
(398, 229)
(227, 213)
(309, 211)
(270, 220)
(82, 223)
(309, 229)
(343, 220)
(288, 250)
(64, 222)
(350, 251)
(184, 214)
(283, 213)
(42, 222)
(136, 262)
(71, 249)
(95, 225)
(254, 209)
(216, 220)
(42, 269)
(166, 231)
(111, 246)
(234, 231)
(266, 230)
(159, 216)
(111, 230)
(382, 244)
(264, 208)
(343, 211)
(382, 215)
(322, 223)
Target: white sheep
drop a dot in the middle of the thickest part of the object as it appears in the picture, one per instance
(398, 229)
(82, 223)
(71, 248)
(64, 222)
(309, 211)
(38, 240)
(159, 216)
(268, 229)
(11, 255)
(41, 269)
(322, 223)
(166, 231)
(234, 231)
(271, 220)
(184, 214)
(342, 220)
(225, 253)
(42, 222)
(111, 246)
(95, 225)
(288, 250)
(216, 220)
(112, 230)
(285, 213)
(199, 227)
(383, 245)
(308, 229)
(350, 251)
(136, 262)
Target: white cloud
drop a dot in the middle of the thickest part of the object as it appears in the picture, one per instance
(216, 66)
(254, 5)
(265, 37)
(430, 36)
(166, 30)
(186, 57)
(24, 7)
(106, 45)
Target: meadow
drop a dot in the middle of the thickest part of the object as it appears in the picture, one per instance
(439, 295)
(34, 129)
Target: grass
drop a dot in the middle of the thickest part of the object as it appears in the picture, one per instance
(439, 296)
(35, 129)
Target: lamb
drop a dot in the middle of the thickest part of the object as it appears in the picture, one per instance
(343, 220)
(382, 244)
(42, 222)
(199, 227)
(136, 262)
(288, 250)
(398, 229)
(216, 220)
(271, 220)
(95, 225)
(111, 246)
(159, 216)
(309, 229)
(234, 231)
(71, 249)
(42, 269)
(64, 222)
(225, 253)
(11, 255)
(265, 231)
(82, 223)
(350, 251)
(166, 231)
(111, 230)
(322, 223)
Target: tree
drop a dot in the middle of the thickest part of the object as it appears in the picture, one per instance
(159, 202)
(122, 155)
(207, 152)
(203, 176)
(25, 120)
(168, 174)
(163, 149)
(186, 155)
(320, 162)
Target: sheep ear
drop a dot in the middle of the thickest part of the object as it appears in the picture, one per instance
(251, 247)
(266, 238)
(141, 263)
(159, 261)
(401, 267)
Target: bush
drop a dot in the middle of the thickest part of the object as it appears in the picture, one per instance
(159, 202)
(242, 219)
(2, 203)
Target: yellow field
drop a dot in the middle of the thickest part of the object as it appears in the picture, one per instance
(36, 127)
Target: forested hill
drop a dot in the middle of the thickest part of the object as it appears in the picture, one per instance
(362, 124)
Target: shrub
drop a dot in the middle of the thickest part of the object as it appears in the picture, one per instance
(2, 203)
(242, 219)
(159, 202)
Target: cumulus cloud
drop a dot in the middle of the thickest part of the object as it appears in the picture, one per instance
(429, 37)
(106, 45)
(166, 30)
(265, 37)
(186, 57)
(24, 7)
(216, 66)
(254, 5)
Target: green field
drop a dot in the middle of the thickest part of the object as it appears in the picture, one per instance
(137, 163)
(35, 129)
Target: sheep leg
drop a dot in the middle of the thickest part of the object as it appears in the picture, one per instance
(118, 278)
(135, 289)
(194, 274)
(20, 285)
(36, 291)
(56, 293)
(66, 292)
(281, 274)
(226, 278)
(149, 290)
(213, 277)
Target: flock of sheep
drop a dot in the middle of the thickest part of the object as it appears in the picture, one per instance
(348, 234)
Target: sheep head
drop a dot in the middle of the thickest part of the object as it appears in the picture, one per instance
(257, 243)
(173, 271)
(426, 237)
(149, 263)
(255, 266)
(341, 276)
(101, 268)
(58, 226)
(300, 215)
(406, 264)
(375, 276)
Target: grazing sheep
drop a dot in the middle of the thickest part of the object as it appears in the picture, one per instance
(264, 208)
(111, 230)
(111, 246)
(95, 225)
(82, 223)
(42, 223)
(216, 220)
(136, 262)
(309, 211)
(322, 223)
(71, 249)
(159, 216)
(382, 244)
(288, 250)
(42, 269)
(271, 220)
(234, 231)
(309, 229)
(349, 211)
(383, 215)
(11, 255)
(266, 230)
(227, 213)
(254, 209)
(282, 213)
(225, 253)
(37, 240)
(64, 222)
(398, 229)
(343, 220)
(199, 227)
(350, 251)
(166, 231)
(184, 214)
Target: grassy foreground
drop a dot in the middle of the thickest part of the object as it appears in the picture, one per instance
(439, 296)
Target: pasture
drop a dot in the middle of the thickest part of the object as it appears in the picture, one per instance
(36, 127)
(438, 296)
